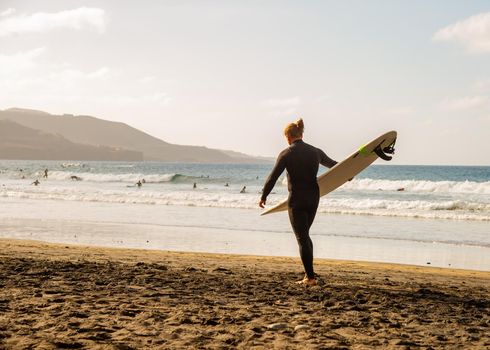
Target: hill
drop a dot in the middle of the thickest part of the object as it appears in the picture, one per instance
(20, 142)
(88, 130)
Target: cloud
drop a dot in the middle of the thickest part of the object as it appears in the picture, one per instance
(282, 103)
(482, 85)
(158, 97)
(400, 111)
(323, 98)
(31, 78)
(26, 72)
(41, 22)
(100, 73)
(473, 33)
(21, 61)
(283, 106)
(485, 118)
(69, 76)
(27, 66)
(147, 79)
(464, 103)
(7, 12)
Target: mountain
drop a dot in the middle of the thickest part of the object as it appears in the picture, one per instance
(20, 142)
(87, 130)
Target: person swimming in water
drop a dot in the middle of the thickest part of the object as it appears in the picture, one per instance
(301, 161)
(244, 189)
(35, 183)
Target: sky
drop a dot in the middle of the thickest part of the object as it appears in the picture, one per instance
(231, 74)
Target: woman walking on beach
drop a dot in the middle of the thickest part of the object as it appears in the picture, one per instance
(301, 162)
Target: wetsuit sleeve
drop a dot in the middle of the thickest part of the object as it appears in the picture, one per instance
(274, 175)
(325, 160)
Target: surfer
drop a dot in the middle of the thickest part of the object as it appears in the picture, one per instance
(45, 173)
(244, 189)
(138, 183)
(301, 161)
(35, 183)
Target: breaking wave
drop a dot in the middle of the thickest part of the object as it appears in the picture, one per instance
(457, 209)
(419, 186)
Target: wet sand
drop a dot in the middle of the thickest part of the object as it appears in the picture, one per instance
(67, 296)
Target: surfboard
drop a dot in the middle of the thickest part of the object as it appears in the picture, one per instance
(380, 147)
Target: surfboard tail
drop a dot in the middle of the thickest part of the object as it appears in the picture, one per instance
(383, 152)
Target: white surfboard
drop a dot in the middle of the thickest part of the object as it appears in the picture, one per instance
(349, 167)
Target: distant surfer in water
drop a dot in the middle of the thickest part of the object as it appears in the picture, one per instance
(301, 161)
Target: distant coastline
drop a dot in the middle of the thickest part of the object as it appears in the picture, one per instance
(27, 134)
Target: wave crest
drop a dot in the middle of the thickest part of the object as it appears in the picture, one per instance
(419, 186)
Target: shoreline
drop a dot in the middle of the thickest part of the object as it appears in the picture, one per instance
(72, 296)
(76, 251)
(204, 230)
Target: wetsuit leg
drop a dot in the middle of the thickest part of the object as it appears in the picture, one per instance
(301, 220)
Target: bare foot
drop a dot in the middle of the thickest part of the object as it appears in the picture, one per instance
(308, 282)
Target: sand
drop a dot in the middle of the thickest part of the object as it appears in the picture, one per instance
(66, 296)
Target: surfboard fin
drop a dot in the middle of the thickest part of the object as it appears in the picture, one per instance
(390, 149)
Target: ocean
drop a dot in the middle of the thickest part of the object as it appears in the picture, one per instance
(423, 215)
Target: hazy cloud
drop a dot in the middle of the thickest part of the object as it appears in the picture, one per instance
(71, 76)
(158, 97)
(99, 73)
(286, 112)
(7, 12)
(473, 33)
(282, 103)
(20, 61)
(463, 103)
(28, 73)
(400, 111)
(77, 19)
(147, 79)
(482, 85)
(485, 118)
(26, 66)
(323, 98)
(283, 106)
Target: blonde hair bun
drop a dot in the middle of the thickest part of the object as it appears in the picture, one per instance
(301, 125)
(295, 129)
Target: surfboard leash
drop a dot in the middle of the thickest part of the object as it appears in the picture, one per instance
(382, 152)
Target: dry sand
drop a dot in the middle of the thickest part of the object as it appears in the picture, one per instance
(59, 296)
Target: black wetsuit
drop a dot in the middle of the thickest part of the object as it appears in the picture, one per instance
(301, 161)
